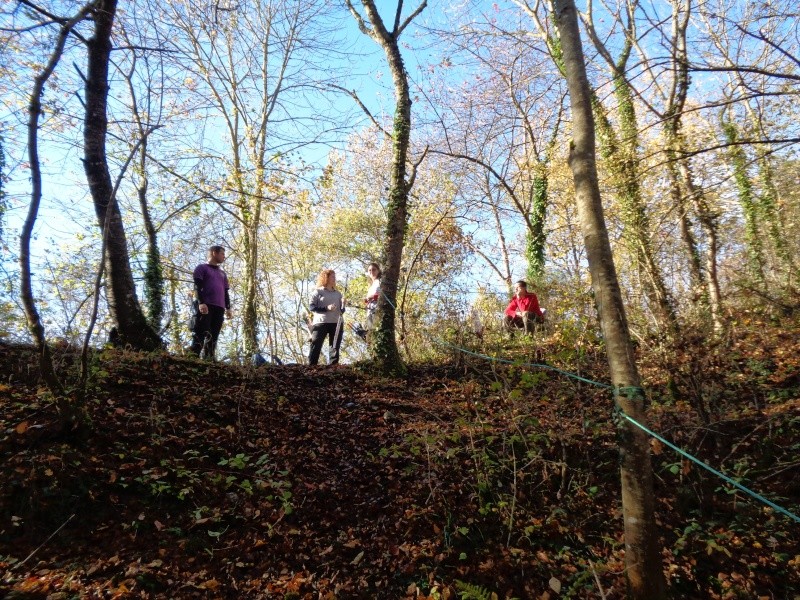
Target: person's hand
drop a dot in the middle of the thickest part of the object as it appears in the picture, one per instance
(331, 306)
(203, 308)
(344, 302)
(229, 314)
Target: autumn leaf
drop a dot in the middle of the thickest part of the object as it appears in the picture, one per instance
(211, 584)
(656, 446)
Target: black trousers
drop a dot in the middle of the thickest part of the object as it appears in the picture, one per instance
(527, 322)
(206, 332)
(318, 334)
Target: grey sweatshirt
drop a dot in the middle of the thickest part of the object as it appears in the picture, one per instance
(320, 300)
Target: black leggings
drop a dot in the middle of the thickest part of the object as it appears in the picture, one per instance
(318, 334)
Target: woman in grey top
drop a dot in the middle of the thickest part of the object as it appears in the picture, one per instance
(327, 305)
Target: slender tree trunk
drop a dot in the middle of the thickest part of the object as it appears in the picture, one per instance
(681, 203)
(153, 275)
(624, 162)
(767, 201)
(768, 204)
(132, 325)
(507, 277)
(35, 325)
(249, 278)
(642, 557)
(175, 329)
(708, 223)
(684, 189)
(384, 345)
(752, 234)
(536, 238)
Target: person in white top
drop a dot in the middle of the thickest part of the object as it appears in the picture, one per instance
(373, 293)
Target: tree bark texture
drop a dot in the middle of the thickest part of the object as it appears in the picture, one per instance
(642, 557)
(123, 304)
(683, 186)
(384, 346)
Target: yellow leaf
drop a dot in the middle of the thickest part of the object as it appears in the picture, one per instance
(22, 428)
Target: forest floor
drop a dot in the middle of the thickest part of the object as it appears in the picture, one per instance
(471, 479)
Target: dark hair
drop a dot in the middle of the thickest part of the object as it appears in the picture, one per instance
(522, 283)
(377, 266)
(217, 249)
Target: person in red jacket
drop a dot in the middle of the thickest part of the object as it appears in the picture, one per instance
(523, 311)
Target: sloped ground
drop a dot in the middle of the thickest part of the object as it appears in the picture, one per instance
(193, 480)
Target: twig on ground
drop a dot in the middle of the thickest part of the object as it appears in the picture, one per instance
(597, 580)
(42, 545)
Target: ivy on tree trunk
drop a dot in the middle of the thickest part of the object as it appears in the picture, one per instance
(384, 349)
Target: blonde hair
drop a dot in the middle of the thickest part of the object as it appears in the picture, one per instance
(324, 275)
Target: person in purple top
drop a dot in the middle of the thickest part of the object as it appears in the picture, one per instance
(214, 303)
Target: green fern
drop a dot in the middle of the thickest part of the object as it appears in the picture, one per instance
(468, 591)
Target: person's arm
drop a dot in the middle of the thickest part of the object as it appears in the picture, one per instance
(228, 311)
(511, 309)
(316, 305)
(199, 286)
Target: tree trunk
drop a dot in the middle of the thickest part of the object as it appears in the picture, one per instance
(153, 275)
(536, 238)
(706, 283)
(768, 204)
(744, 186)
(250, 278)
(176, 323)
(708, 223)
(643, 562)
(123, 304)
(621, 153)
(624, 163)
(384, 345)
(35, 325)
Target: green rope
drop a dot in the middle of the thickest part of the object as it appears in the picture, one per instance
(710, 469)
(522, 364)
(631, 393)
